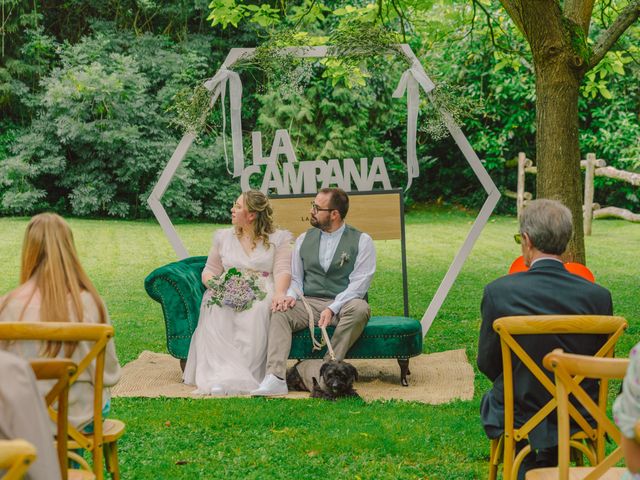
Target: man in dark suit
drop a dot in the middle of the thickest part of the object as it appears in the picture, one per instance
(546, 288)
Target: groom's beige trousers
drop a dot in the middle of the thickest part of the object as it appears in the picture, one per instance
(349, 323)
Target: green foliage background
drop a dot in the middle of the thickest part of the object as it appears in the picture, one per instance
(90, 99)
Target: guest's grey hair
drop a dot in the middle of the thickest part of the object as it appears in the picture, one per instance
(548, 224)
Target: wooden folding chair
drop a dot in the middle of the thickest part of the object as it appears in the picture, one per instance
(60, 369)
(16, 456)
(503, 448)
(569, 370)
(104, 435)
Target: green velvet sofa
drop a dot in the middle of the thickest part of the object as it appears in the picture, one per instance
(178, 289)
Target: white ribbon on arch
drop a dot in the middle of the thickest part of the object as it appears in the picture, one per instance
(411, 78)
(218, 86)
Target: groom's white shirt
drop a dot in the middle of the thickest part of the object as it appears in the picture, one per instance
(360, 278)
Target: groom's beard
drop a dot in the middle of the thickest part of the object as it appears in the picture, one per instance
(321, 225)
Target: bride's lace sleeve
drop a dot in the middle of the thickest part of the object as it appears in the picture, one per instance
(282, 257)
(214, 261)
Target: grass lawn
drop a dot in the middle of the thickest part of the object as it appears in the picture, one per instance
(275, 438)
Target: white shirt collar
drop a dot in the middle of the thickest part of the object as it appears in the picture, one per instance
(545, 258)
(333, 234)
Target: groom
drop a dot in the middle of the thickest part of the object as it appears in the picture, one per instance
(332, 265)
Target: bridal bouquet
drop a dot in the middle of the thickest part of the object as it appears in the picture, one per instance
(236, 289)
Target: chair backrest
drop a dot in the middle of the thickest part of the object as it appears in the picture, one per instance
(60, 369)
(507, 328)
(15, 457)
(98, 335)
(569, 369)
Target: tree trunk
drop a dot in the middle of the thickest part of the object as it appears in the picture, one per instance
(557, 149)
(557, 33)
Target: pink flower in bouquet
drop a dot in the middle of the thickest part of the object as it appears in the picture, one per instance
(238, 293)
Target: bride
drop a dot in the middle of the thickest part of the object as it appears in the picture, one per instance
(247, 273)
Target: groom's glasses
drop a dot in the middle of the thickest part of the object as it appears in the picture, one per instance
(317, 209)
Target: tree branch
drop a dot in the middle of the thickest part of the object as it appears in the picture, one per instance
(610, 36)
(514, 8)
(304, 14)
(476, 3)
(579, 11)
(487, 14)
(402, 18)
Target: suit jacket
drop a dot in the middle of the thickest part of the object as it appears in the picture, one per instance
(547, 288)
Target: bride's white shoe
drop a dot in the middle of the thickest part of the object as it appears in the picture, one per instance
(217, 391)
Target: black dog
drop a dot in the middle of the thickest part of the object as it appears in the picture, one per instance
(336, 381)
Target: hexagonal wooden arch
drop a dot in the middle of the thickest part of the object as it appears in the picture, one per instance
(493, 195)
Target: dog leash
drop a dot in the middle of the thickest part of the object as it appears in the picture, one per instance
(325, 337)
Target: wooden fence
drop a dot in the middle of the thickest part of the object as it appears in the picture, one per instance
(593, 168)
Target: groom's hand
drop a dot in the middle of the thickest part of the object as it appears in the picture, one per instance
(282, 304)
(289, 302)
(325, 317)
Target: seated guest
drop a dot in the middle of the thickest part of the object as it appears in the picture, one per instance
(626, 413)
(546, 288)
(55, 288)
(23, 414)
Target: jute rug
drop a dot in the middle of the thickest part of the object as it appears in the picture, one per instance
(435, 378)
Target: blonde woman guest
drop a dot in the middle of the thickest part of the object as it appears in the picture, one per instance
(55, 288)
(626, 413)
(229, 347)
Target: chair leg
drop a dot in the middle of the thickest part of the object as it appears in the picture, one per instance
(404, 371)
(508, 455)
(111, 459)
(495, 455)
(576, 456)
(519, 459)
(493, 471)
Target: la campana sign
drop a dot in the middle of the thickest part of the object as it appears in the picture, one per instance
(295, 177)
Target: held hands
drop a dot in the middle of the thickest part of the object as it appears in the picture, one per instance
(325, 317)
(282, 303)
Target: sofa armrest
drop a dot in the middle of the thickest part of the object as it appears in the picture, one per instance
(179, 289)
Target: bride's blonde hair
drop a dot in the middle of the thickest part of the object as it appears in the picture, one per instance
(49, 257)
(257, 202)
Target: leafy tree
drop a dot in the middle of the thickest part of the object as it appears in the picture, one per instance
(102, 134)
(70, 150)
(558, 34)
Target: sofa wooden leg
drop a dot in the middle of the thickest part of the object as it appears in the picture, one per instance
(183, 363)
(404, 371)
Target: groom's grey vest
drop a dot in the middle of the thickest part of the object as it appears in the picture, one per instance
(317, 282)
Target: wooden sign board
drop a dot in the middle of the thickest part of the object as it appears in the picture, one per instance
(380, 214)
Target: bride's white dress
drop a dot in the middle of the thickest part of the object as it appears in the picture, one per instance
(229, 348)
